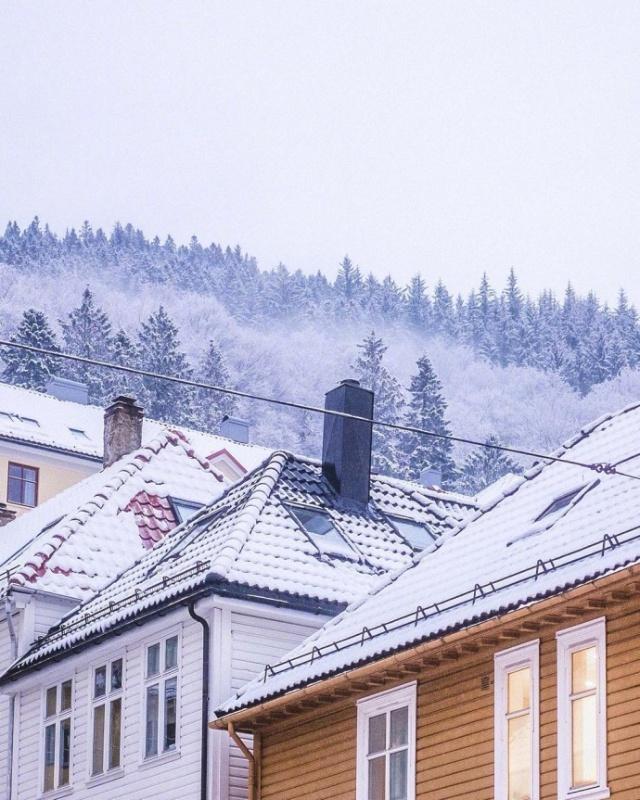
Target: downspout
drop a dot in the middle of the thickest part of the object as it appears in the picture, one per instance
(204, 746)
(9, 610)
(254, 761)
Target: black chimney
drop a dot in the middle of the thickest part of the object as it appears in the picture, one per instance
(346, 444)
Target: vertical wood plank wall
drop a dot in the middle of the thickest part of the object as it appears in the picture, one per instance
(314, 758)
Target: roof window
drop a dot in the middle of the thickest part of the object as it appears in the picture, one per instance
(184, 509)
(559, 504)
(416, 534)
(30, 422)
(6, 416)
(78, 433)
(322, 532)
(13, 418)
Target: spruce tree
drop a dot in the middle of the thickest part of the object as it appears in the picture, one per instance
(483, 466)
(122, 351)
(427, 409)
(211, 407)
(388, 404)
(24, 368)
(159, 351)
(87, 333)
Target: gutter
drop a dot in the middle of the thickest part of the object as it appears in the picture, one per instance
(52, 448)
(9, 609)
(204, 736)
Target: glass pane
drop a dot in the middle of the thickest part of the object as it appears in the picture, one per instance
(100, 682)
(519, 758)
(15, 471)
(14, 491)
(584, 669)
(65, 700)
(170, 707)
(151, 732)
(65, 752)
(116, 674)
(584, 719)
(29, 496)
(52, 701)
(115, 733)
(519, 687)
(49, 757)
(377, 733)
(97, 763)
(153, 660)
(398, 767)
(171, 653)
(377, 779)
(399, 727)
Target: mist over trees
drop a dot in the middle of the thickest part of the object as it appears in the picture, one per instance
(492, 365)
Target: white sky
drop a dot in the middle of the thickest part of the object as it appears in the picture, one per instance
(447, 137)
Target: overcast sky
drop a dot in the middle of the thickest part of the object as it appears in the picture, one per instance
(442, 137)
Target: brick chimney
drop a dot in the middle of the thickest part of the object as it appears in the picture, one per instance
(122, 428)
(7, 514)
(346, 443)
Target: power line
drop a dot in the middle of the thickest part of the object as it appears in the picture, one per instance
(605, 468)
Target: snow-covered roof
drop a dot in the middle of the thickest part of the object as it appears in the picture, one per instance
(41, 420)
(556, 527)
(79, 540)
(249, 538)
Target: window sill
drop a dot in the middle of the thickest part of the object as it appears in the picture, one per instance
(54, 794)
(593, 793)
(153, 761)
(105, 777)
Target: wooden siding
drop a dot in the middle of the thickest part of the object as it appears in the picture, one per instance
(312, 756)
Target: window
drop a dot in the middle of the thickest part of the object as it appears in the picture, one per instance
(322, 532)
(22, 487)
(78, 434)
(386, 745)
(30, 422)
(582, 718)
(184, 509)
(559, 504)
(161, 697)
(56, 757)
(418, 536)
(106, 753)
(516, 721)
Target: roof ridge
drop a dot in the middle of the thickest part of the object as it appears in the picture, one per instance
(271, 472)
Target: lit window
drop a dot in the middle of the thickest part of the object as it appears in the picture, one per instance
(516, 739)
(559, 504)
(107, 717)
(184, 509)
(161, 697)
(78, 434)
(386, 745)
(22, 486)
(416, 534)
(582, 727)
(320, 528)
(56, 755)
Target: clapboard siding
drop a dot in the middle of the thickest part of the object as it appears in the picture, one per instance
(255, 642)
(313, 757)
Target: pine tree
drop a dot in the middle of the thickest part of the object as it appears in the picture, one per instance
(348, 285)
(29, 369)
(427, 409)
(122, 351)
(87, 333)
(483, 466)
(159, 351)
(417, 303)
(442, 312)
(388, 404)
(211, 407)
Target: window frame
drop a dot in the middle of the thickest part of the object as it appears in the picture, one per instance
(106, 700)
(350, 553)
(569, 641)
(506, 662)
(394, 519)
(160, 678)
(22, 480)
(373, 705)
(56, 719)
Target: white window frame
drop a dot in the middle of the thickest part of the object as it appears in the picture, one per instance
(568, 641)
(56, 719)
(106, 700)
(405, 695)
(161, 679)
(506, 662)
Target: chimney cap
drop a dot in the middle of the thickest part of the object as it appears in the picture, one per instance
(127, 401)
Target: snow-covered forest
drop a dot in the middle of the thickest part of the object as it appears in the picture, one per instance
(494, 364)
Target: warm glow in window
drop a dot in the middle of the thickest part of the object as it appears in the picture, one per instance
(519, 734)
(584, 717)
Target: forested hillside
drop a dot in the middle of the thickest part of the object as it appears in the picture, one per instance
(495, 363)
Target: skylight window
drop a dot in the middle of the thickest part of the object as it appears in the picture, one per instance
(29, 422)
(6, 416)
(320, 528)
(184, 509)
(78, 433)
(415, 533)
(559, 504)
